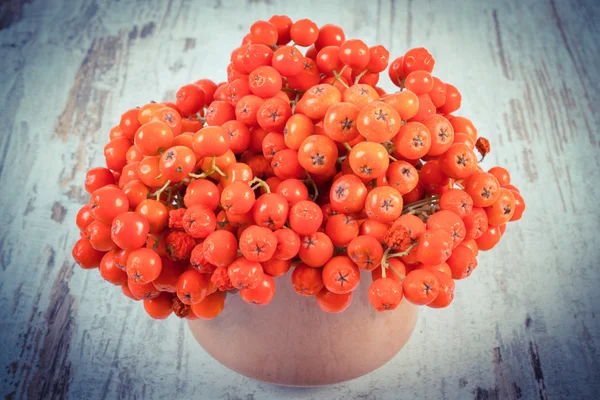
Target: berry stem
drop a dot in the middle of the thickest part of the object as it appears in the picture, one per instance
(394, 270)
(294, 102)
(386, 256)
(213, 168)
(359, 76)
(314, 186)
(392, 158)
(421, 204)
(338, 76)
(259, 183)
(162, 189)
(347, 146)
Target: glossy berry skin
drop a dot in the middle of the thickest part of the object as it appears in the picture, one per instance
(397, 265)
(288, 60)
(417, 59)
(419, 82)
(220, 248)
(237, 198)
(201, 192)
(503, 209)
(330, 35)
(159, 307)
(476, 223)
(317, 154)
(143, 266)
(155, 212)
(293, 190)
(366, 252)
(501, 174)
(85, 255)
(190, 99)
(297, 128)
(384, 203)
(275, 267)
(304, 32)
(435, 246)
(199, 221)
(462, 262)
(341, 229)
(265, 81)
(193, 287)
(341, 275)
(378, 122)
(458, 201)
(210, 307)
(519, 206)
(340, 122)
(406, 103)
(413, 140)
(115, 153)
(288, 244)
(420, 287)
(459, 161)
(129, 123)
(369, 160)
(107, 203)
(153, 137)
(445, 292)
(307, 281)
(483, 188)
(84, 217)
(262, 294)
(169, 116)
(264, 32)
(378, 58)
(258, 243)
(177, 162)
(210, 141)
(270, 211)
(355, 54)
(129, 230)
(305, 217)
(167, 280)
(449, 222)
(490, 238)
(332, 302)
(402, 176)
(348, 194)
(317, 100)
(141, 291)
(385, 294)
(316, 249)
(97, 178)
(136, 192)
(99, 236)
(245, 274)
(442, 134)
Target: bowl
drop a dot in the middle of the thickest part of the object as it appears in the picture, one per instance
(292, 342)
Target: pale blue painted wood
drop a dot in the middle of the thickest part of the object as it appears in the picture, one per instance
(524, 325)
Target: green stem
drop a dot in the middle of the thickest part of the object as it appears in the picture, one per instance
(259, 183)
(359, 76)
(162, 189)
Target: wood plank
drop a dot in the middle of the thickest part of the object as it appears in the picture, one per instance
(523, 326)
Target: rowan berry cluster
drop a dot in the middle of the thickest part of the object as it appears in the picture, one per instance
(299, 161)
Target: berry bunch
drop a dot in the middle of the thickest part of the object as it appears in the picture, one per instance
(299, 161)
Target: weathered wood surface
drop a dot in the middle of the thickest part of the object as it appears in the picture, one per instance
(524, 326)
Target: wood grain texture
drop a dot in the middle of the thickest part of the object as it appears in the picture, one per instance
(525, 326)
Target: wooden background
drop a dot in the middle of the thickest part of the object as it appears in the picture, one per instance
(524, 326)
